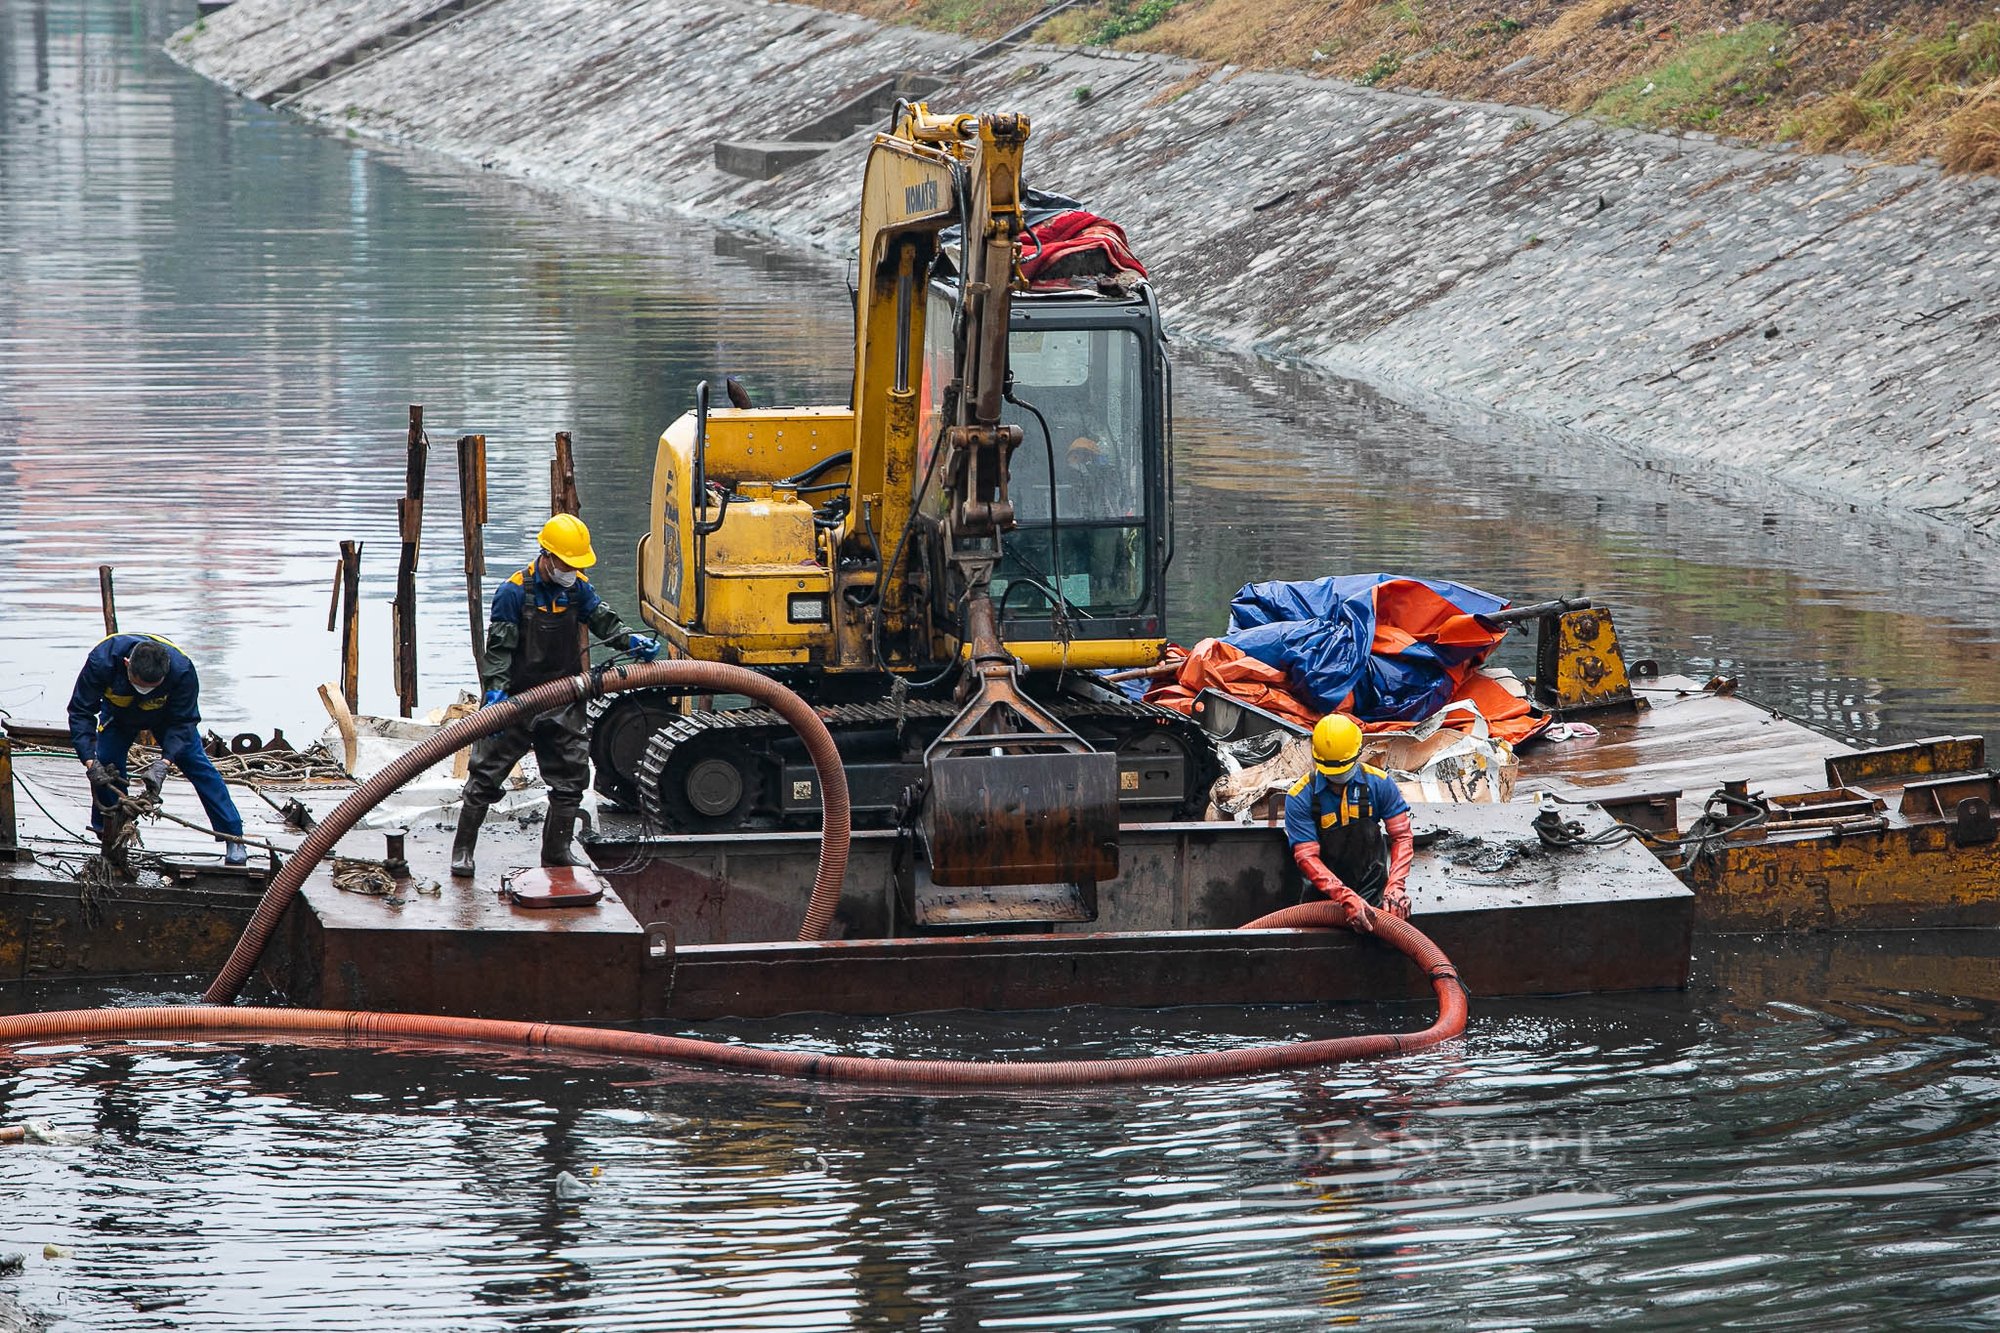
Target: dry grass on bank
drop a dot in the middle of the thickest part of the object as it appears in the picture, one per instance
(1899, 79)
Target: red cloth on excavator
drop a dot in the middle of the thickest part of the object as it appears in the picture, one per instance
(1076, 244)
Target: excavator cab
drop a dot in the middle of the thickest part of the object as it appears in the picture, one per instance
(1087, 556)
(1081, 582)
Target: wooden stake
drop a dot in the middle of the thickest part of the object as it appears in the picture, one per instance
(461, 762)
(350, 625)
(108, 599)
(563, 498)
(472, 514)
(333, 602)
(410, 519)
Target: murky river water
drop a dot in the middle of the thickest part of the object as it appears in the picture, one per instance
(211, 324)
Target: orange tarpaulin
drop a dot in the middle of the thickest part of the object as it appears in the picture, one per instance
(1408, 613)
(1216, 665)
(1388, 650)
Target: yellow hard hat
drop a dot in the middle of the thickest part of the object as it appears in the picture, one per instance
(1336, 745)
(568, 540)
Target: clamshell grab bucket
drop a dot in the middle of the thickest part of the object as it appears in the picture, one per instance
(1020, 818)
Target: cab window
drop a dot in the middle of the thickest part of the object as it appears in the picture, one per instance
(1087, 386)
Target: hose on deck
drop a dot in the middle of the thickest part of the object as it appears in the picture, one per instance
(219, 1016)
(359, 1026)
(707, 677)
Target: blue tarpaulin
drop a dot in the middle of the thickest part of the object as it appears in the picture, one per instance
(1396, 645)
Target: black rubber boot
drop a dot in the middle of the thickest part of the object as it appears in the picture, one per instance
(556, 831)
(470, 817)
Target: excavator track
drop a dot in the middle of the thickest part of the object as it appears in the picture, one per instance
(743, 769)
(620, 726)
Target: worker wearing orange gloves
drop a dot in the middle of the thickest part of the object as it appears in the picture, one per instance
(1349, 827)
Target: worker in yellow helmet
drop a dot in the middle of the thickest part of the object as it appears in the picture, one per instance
(1349, 827)
(541, 618)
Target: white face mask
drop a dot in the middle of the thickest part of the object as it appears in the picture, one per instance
(562, 578)
(137, 688)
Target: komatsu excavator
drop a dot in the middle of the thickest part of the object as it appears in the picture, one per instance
(939, 566)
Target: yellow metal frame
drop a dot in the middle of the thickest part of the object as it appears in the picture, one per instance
(1584, 666)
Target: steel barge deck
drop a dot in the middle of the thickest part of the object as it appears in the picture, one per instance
(700, 927)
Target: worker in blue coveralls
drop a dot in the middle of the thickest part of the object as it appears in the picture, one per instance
(1349, 827)
(541, 616)
(140, 682)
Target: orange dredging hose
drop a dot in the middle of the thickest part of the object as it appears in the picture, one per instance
(219, 1015)
(707, 677)
(645, 1046)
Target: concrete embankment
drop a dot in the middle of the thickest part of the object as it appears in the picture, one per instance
(1819, 320)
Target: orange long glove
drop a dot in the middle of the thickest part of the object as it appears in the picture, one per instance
(1306, 855)
(1402, 849)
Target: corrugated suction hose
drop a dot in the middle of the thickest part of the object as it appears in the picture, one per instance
(243, 1022)
(707, 677)
(220, 1016)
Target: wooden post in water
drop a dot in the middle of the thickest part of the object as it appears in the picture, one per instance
(108, 599)
(410, 519)
(347, 596)
(9, 839)
(472, 517)
(563, 498)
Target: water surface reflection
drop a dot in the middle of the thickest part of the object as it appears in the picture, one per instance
(1569, 1163)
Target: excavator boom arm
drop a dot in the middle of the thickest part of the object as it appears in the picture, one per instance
(1011, 795)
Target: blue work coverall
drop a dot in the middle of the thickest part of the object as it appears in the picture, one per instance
(1350, 825)
(106, 715)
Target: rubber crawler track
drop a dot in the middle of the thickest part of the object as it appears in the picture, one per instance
(715, 677)
(247, 1022)
(757, 728)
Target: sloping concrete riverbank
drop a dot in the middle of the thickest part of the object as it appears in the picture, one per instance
(1819, 320)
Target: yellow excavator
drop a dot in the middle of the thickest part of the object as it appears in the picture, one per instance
(943, 565)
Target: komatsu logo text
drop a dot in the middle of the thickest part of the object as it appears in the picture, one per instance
(921, 197)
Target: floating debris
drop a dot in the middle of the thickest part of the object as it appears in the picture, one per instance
(40, 1131)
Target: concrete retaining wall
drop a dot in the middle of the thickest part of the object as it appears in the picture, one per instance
(1816, 319)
